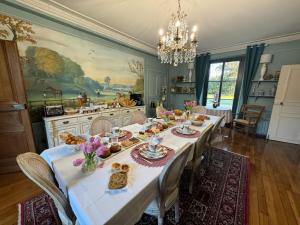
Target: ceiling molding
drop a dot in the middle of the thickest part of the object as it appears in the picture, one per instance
(61, 12)
(267, 41)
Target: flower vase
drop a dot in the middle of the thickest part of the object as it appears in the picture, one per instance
(188, 114)
(89, 165)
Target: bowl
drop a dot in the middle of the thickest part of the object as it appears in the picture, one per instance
(197, 122)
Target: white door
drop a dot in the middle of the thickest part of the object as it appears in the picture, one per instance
(285, 119)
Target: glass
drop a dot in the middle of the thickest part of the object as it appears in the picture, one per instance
(231, 70)
(227, 94)
(213, 87)
(89, 165)
(215, 71)
(114, 138)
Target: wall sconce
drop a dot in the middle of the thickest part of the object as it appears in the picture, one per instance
(264, 60)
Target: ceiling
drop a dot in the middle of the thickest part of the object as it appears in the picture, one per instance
(221, 23)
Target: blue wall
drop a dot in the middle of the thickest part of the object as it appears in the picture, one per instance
(283, 54)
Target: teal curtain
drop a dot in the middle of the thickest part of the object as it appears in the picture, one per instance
(201, 70)
(252, 59)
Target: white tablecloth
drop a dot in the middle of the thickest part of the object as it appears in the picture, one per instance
(88, 198)
(220, 111)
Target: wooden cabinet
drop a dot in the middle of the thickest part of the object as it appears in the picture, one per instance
(80, 123)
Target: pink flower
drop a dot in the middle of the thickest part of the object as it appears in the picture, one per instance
(89, 148)
(97, 142)
(91, 139)
(82, 146)
(78, 162)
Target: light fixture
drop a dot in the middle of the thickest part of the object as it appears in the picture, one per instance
(264, 60)
(176, 45)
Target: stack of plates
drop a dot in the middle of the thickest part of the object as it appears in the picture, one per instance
(158, 154)
(185, 131)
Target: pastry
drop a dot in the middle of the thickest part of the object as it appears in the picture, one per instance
(172, 117)
(165, 126)
(134, 140)
(178, 112)
(70, 139)
(126, 143)
(115, 148)
(116, 167)
(125, 168)
(104, 153)
(117, 180)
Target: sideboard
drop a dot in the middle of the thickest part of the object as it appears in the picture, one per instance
(79, 124)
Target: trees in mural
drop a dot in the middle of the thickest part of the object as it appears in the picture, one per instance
(20, 30)
(137, 68)
(46, 68)
(107, 80)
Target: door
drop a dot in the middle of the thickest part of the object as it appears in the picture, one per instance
(285, 119)
(15, 126)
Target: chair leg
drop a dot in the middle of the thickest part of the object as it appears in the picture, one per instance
(177, 211)
(160, 220)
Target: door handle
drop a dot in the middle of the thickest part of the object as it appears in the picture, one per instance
(19, 106)
(281, 103)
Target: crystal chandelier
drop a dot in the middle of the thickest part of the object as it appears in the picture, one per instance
(174, 47)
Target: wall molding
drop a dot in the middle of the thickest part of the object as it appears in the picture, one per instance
(241, 46)
(60, 12)
(69, 16)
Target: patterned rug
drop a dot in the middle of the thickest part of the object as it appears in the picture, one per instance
(220, 197)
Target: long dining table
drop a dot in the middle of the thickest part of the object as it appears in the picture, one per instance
(88, 195)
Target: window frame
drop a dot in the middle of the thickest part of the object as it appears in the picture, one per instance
(238, 79)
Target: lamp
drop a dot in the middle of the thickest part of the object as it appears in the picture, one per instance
(264, 60)
(190, 67)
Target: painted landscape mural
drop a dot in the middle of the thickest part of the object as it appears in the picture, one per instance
(58, 65)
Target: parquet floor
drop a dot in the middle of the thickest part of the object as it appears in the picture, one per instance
(274, 182)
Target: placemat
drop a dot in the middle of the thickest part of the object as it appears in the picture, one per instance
(150, 162)
(195, 135)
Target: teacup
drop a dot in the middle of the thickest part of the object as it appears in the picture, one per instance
(185, 128)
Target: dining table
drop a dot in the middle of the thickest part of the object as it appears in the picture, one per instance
(88, 195)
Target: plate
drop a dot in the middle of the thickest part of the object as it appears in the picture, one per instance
(158, 154)
(185, 132)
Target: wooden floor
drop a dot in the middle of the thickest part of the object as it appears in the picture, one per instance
(274, 182)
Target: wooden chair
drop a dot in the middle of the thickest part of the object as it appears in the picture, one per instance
(169, 184)
(199, 109)
(101, 125)
(138, 117)
(37, 170)
(248, 118)
(197, 156)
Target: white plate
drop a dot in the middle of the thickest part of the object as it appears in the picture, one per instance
(158, 154)
(185, 132)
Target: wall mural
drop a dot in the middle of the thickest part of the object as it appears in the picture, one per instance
(58, 64)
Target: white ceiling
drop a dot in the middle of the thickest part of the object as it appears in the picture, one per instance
(221, 23)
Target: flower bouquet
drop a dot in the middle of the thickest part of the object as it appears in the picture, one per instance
(91, 150)
(189, 105)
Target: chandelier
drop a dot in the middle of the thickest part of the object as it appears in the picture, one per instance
(176, 46)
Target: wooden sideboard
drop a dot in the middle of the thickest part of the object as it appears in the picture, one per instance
(80, 123)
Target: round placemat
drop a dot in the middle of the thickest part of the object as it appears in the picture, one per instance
(135, 155)
(195, 135)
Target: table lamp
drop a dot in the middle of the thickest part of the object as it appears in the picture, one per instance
(264, 60)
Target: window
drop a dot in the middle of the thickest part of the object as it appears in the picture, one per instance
(223, 83)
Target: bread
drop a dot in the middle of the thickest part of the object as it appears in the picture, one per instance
(117, 180)
(178, 112)
(115, 148)
(126, 143)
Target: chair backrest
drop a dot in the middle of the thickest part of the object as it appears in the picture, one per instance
(252, 113)
(171, 174)
(159, 110)
(37, 170)
(100, 125)
(138, 117)
(201, 143)
(215, 128)
(199, 109)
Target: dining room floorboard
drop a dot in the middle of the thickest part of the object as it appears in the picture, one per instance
(274, 191)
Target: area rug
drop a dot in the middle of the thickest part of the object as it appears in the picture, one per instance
(39, 210)
(220, 196)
